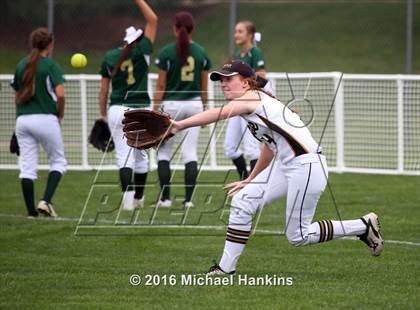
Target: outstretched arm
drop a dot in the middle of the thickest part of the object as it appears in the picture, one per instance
(151, 19)
(232, 109)
(243, 105)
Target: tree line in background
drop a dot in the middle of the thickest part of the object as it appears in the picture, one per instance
(65, 10)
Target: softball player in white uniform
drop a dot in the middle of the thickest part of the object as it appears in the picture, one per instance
(290, 165)
(182, 88)
(38, 83)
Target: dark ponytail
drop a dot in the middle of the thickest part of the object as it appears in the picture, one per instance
(184, 24)
(124, 55)
(39, 40)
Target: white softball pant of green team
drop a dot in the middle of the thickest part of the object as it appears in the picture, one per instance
(237, 132)
(33, 130)
(179, 110)
(302, 181)
(134, 159)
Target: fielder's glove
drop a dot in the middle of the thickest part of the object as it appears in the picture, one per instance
(100, 136)
(14, 146)
(145, 129)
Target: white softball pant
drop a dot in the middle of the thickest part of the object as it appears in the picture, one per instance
(302, 180)
(33, 130)
(236, 128)
(134, 159)
(179, 110)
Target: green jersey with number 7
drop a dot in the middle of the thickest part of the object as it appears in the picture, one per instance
(129, 85)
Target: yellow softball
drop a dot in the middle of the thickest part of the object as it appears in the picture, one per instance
(78, 60)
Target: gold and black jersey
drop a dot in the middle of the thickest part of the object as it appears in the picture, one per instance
(282, 129)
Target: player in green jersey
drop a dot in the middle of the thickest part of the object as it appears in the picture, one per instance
(246, 39)
(126, 68)
(38, 82)
(249, 53)
(181, 91)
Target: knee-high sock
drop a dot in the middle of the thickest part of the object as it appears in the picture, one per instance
(241, 167)
(52, 183)
(139, 183)
(190, 178)
(28, 196)
(125, 178)
(234, 246)
(164, 172)
(327, 230)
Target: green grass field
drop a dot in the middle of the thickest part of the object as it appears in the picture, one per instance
(44, 265)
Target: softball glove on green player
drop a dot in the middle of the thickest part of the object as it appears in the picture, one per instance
(14, 146)
(145, 129)
(100, 136)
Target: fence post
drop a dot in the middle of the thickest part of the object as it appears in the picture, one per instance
(409, 38)
(400, 124)
(152, 152)
(232, 22)
(83, 110)
(213, 160)
(339, 121)
(50, 15)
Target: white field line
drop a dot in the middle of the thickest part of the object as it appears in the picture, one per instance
(204, 227)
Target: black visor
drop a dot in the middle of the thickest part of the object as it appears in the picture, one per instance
(232, 68)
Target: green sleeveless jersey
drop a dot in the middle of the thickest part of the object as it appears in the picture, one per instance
(254, 57)
(47, 76)
(183, 81)
(129, 85)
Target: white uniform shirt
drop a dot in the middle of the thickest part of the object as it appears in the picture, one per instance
(281, 129)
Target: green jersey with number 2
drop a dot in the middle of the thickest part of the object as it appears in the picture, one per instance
(183, 81)
(129, 85)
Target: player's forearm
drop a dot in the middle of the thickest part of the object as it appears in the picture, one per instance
(160, 90)
(204, 118)
(266, 156)
(59, 92)
(204, 88)
(151, 20)
(60, 104)
(157, 99)
(147, 11)
(103, 96)
(213, 115)
(204, 99)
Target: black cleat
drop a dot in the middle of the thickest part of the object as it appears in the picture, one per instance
(215, 270)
